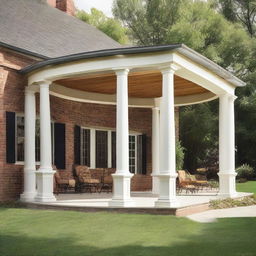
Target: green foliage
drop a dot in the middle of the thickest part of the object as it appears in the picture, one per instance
(198, 133)
(242, 11)
(109, 26)
(179, 156)
(245, 171)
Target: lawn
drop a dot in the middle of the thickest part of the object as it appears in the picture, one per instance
(25, 232)
(249, 186)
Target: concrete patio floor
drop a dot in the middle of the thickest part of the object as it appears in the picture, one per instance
(144, 203)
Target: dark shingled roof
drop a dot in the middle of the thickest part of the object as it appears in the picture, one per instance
(36, 27)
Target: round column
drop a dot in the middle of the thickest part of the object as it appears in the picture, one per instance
(29, 147)
(227, 174)
(167, 174)
(122, 177)
(45, 172)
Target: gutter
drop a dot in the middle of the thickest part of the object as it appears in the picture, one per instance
(23, 51)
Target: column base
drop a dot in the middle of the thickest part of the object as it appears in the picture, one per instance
(167, 193)
(121, 190)
(45, 186)
(155, 185)
(28, 196)
(227, 185)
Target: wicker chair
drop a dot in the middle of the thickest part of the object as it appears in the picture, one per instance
(107, 181)
(63, 185)
(185, 183)
(85, 182)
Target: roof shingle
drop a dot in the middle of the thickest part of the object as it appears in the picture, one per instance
(34, 26)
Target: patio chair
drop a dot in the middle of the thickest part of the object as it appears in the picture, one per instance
(107, 181)
(84, 180)
(199, 180)
(185, 183)
(63, 184)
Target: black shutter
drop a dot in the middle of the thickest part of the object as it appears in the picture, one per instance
(59, 145)
(113, 146)
(10, 137)
(142, 154)
(77, 144)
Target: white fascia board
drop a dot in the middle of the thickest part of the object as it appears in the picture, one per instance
(99, 65)
(201, 76)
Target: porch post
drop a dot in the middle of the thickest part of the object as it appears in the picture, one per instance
(45, 172)
(122, 177)
(29, 192)
(227, 174)
(167, 175)
(155, 149)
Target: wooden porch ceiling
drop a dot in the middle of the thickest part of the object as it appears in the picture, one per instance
(141, 84)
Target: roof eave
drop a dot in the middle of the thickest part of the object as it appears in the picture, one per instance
(180, 48)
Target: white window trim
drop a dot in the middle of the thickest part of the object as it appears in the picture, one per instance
(93, 144)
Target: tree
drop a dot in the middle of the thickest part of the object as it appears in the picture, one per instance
(199, 26)
(243, 11)
(109, 26)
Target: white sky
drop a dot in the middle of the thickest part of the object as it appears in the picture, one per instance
(103, 5)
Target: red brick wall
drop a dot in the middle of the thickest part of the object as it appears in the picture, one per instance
(11, 99)
(63, 5)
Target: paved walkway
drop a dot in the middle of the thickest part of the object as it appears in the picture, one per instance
(213, 215)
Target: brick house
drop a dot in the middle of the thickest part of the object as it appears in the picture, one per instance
(100, 104)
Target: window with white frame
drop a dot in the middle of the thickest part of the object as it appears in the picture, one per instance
(132, 153)
(20, 138)
(98, 149)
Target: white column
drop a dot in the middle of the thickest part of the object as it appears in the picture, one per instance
(122, 177)
(29, 147)
(45, 172)
(167, 175)
(227, 174)
(155, 149)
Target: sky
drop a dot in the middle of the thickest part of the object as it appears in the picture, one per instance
(103, 5)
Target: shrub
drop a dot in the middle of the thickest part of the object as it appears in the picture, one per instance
(179, 156)
(245, 171)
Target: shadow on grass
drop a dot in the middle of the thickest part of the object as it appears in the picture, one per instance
(236, 237)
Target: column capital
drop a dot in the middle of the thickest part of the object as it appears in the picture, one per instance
(169, 68)
(30, 90)
(228, 96)
(121, 71)
(44, 83)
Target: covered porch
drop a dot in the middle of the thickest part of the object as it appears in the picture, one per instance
(160, 78)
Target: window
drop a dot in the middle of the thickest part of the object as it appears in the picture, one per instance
(98, 149)
(101, 149)
(132, 153)
(85, 146)
(20, 137)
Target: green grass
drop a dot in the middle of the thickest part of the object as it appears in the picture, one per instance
(26, 232)
(249, 186)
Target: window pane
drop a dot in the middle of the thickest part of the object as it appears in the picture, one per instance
(20, 138)
(85, 147)
(101, 149)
